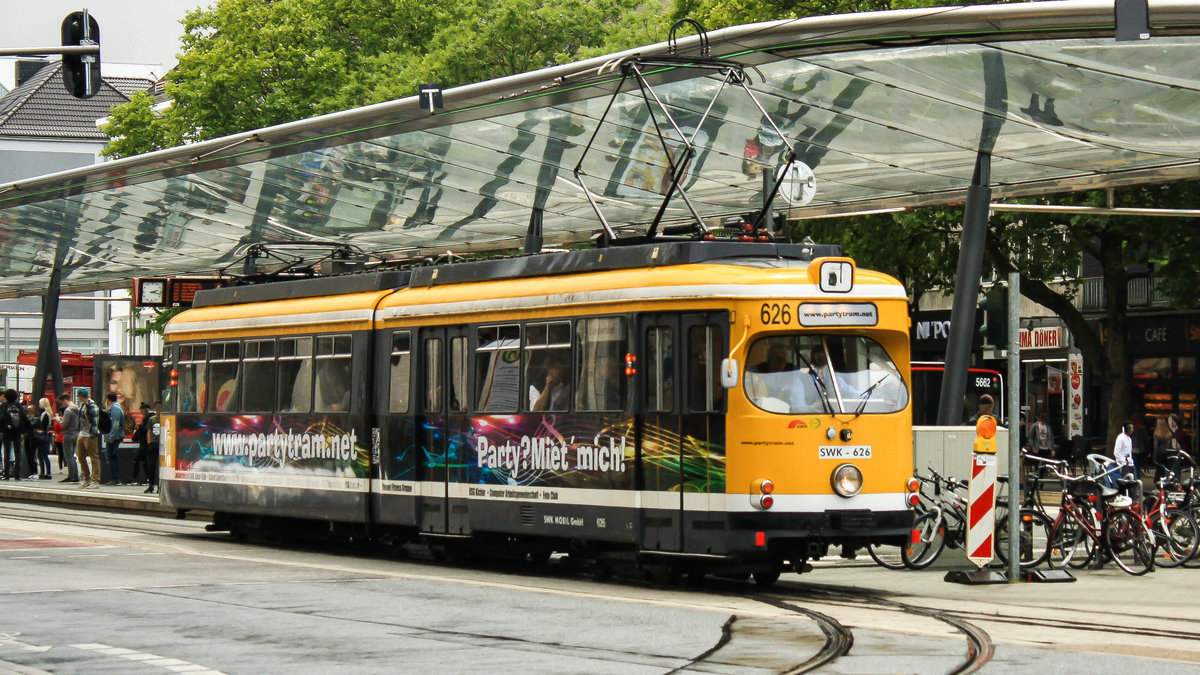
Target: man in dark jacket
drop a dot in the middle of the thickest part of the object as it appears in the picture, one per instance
(12, 428)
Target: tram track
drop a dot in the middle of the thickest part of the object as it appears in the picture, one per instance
(810, 600)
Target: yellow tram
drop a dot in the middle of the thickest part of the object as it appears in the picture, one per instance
(703, 406)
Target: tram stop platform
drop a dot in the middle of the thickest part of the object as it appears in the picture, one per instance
(126, 498)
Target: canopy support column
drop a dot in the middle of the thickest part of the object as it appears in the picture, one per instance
(970, 252)
(48, 362)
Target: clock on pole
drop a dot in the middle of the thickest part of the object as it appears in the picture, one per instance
(150, 292)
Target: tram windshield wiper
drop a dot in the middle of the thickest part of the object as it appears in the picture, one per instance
(822, 391)
(866, 395)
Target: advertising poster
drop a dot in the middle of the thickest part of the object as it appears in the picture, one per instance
(133, 379)
(1075, 395)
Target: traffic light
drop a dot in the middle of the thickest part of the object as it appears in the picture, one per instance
(81, 72)
(995, 316)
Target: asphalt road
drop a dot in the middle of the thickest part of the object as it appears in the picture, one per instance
(91, 592)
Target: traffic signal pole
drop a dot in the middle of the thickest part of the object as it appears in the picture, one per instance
(80, 50)
(1013, 407)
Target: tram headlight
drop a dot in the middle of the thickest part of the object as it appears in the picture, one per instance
(847, 480)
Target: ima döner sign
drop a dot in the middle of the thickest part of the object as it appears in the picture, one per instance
(548, 454)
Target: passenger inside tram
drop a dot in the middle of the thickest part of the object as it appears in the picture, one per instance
(549, 388)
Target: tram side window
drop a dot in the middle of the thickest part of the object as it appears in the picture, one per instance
(705, 348)
(224, 361)
(600, 372)
(498, 368)
(548, 365)
(258, 389)
(333, 386)
(660, 357)
(433, 375)
(401, 367)
(458, 374)
(191, 377)
(295, 374)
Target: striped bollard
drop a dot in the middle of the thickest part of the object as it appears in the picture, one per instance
(981, 494)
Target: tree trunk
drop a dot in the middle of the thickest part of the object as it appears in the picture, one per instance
(1118, 380)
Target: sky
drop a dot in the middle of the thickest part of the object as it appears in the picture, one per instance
(135, 35)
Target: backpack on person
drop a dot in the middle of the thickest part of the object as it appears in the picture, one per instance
(130, 425)
(104, 423)
(14, 418)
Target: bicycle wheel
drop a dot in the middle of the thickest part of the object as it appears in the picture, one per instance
(1069, 544)
(1177, 537)
(1033, 546)
(927, 543)
(1129, 541)
(885, 558)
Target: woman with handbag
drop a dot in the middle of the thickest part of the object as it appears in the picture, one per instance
(42, 436)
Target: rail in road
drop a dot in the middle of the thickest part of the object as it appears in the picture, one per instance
(843, 617)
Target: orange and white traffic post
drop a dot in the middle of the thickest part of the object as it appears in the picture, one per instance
(981, 494)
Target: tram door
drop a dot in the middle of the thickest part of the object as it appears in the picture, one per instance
(682, 428)
(443, 429)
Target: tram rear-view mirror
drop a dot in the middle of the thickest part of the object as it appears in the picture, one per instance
(729, 373)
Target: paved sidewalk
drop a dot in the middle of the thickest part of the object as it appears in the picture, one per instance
(123, 497)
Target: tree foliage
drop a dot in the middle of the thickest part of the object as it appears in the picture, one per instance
(248, 64)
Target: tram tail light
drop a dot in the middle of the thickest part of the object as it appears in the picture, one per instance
(763, 500)
(914, 484)
(915, 536)
(630, 365)
(914, 499)
(174, 377)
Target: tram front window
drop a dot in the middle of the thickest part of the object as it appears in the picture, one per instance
(823, 374)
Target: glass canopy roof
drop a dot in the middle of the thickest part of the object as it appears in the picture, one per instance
(888, 109)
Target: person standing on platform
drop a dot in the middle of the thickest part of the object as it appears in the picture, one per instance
(71, 420)
(87, 446)
(141, 436)
(12, 420)
(113, 438)
(43, 437)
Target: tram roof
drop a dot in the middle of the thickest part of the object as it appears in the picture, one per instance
(889, 109)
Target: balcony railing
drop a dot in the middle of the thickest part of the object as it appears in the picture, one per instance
(1143, 292)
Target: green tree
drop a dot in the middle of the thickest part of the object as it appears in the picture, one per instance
(248, 64)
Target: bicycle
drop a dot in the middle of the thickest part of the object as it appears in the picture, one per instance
(1033, 530)
(1175, 530)
(1095, 521)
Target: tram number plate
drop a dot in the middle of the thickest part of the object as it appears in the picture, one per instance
(844, 452)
